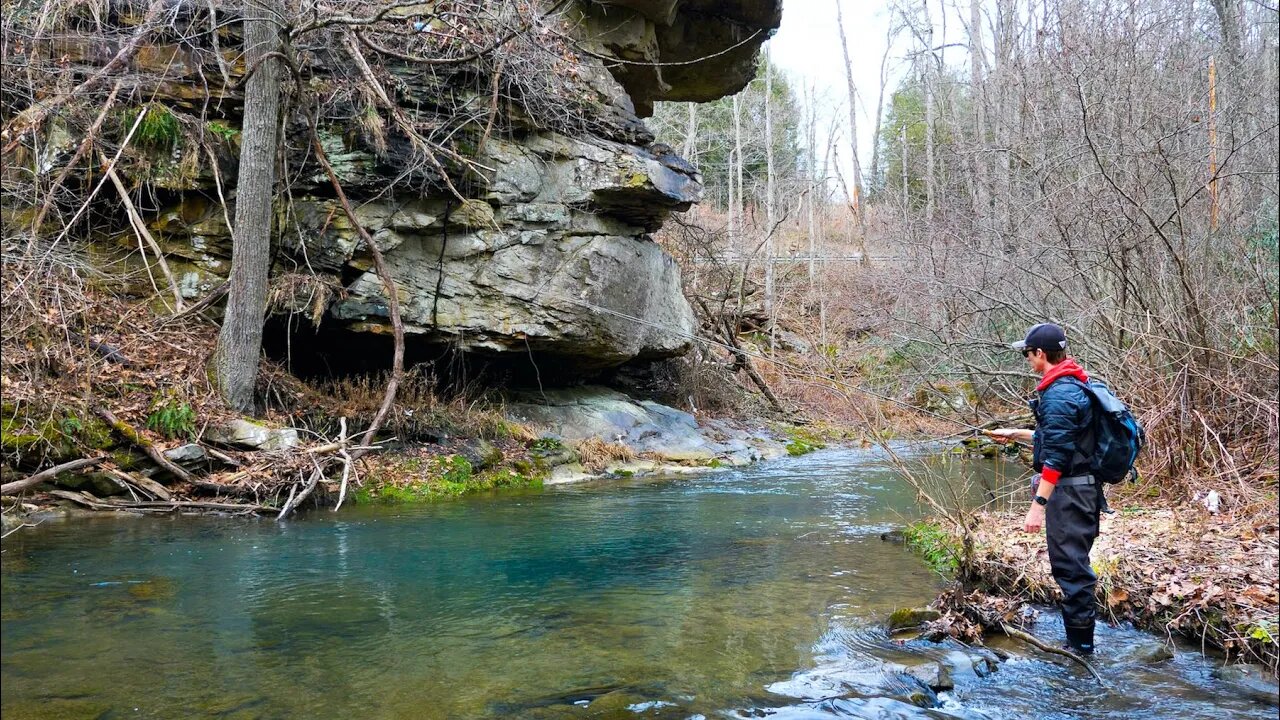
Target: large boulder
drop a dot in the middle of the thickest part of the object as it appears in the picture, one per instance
(656, 432)
(555, 259)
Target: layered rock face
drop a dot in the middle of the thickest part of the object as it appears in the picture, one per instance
(549, 252)
(552, 257)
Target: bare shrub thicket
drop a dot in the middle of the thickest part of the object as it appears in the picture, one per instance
(1111, 167)
(1110, 191)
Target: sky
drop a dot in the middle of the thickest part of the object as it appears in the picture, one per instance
(807, 48)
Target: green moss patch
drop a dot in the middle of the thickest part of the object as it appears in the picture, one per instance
(423, 480)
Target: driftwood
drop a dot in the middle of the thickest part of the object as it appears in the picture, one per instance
(296, 498)
(143, 483)
(16, 486)
(96, 503)
(346, 462)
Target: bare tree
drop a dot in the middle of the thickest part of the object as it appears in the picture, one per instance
(768, 193)
(853, 116)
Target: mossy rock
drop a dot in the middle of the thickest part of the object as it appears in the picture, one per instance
(97, 483)
(907, 618)
(473, 214)
(802, 441)
(53, 435)
(549, 452)
(483, 454)
(897, 537)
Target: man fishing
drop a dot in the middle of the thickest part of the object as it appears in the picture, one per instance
(1067, 498)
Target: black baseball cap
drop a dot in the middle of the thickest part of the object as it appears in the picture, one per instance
(1045, 336)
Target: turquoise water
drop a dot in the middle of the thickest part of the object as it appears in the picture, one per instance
(756, 592)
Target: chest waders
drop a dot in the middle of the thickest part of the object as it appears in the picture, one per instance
(1071, 526)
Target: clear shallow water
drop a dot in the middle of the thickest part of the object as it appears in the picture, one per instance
(749, 593)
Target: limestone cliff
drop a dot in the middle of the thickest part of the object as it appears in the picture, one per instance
(548, 251)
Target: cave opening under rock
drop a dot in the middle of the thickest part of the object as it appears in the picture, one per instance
(333, 352)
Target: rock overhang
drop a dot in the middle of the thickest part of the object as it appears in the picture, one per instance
(680, 50)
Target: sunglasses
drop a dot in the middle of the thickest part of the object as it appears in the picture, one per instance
(1026, 352)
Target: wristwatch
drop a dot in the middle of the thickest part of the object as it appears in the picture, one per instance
(1040, 500)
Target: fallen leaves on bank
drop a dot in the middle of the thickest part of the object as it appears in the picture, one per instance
(1179, 570)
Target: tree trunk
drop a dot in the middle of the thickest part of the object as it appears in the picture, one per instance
(735, 213)
(690, 150)
(811, 160)
(878, 174)
(768, 191)
(930, 188)
(240, 339)
(978, 97)
(853, 118)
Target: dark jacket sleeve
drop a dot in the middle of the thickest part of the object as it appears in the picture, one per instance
(1062, 420)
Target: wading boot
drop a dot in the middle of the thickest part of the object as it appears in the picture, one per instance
(1080, 638)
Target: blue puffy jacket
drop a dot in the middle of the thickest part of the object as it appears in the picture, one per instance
(1064, 439)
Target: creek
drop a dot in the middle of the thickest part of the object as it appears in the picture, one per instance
(756, 592)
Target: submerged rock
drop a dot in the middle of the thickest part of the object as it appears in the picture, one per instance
(1255, 681)
(933, 674)
(1145, 653)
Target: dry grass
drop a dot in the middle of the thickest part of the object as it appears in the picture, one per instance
(71, 345)
(598, 455)
(421, 413)
(53, 380)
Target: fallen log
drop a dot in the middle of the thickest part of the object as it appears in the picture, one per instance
(110, 353)
(131, 435)
(16, 486)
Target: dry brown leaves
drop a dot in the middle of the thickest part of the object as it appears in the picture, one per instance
(1177, 569)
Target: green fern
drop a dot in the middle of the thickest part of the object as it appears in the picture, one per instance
(173, 419)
